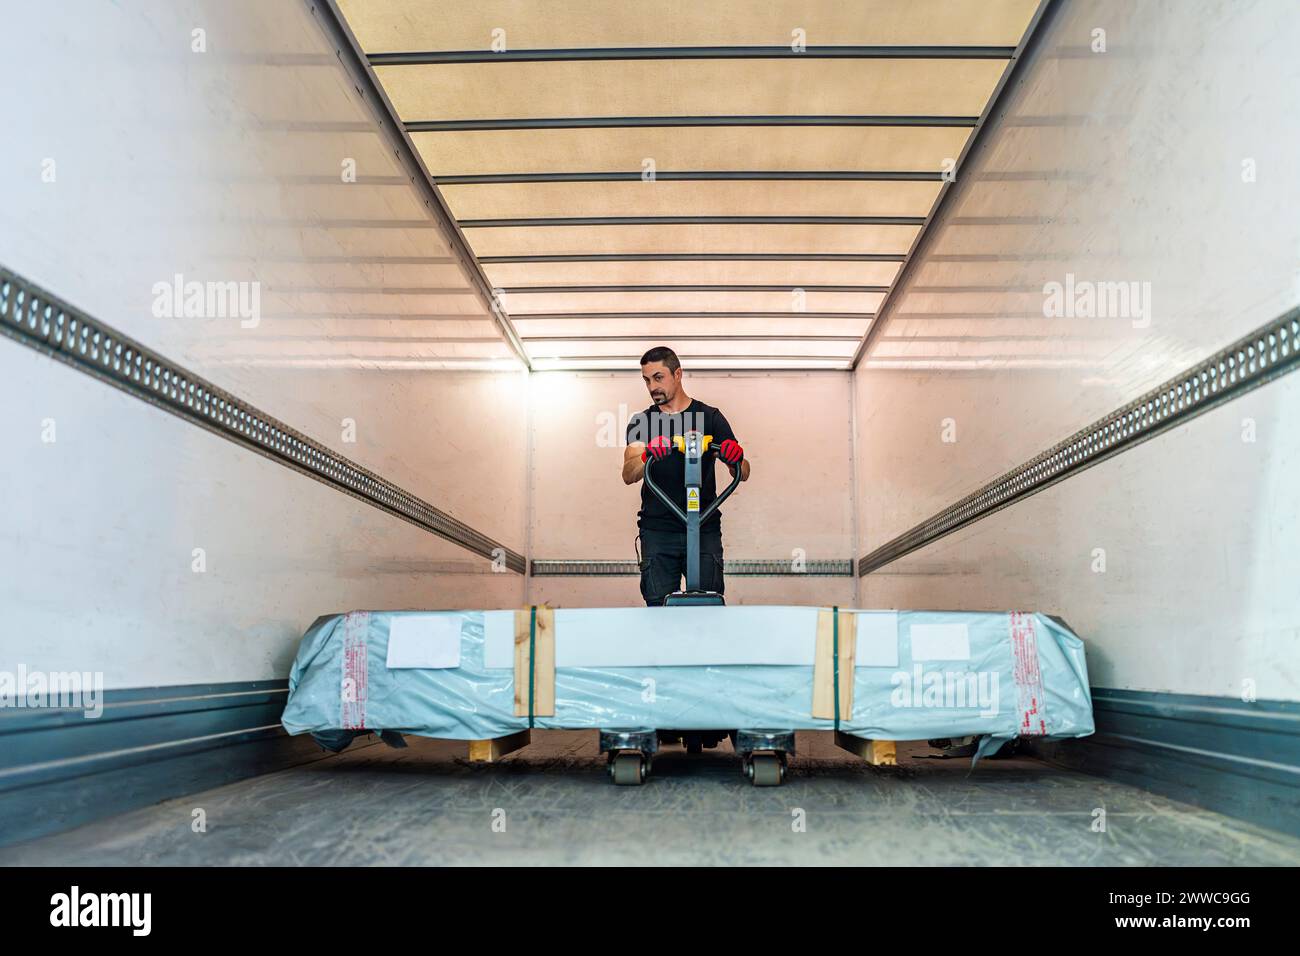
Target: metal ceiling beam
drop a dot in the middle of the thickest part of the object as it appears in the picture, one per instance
(1035, 29)
(705, 257)
(368, 290)
(353, 60)
(685, 356)
(890, 52)
(549, 289)
(723, 337)
(841, 365)
(566, 316)
(694, 221)
(350, 260)
(375, 316)
(634, 122)
(809, 175)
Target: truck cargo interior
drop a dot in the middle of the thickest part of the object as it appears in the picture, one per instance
(373, 374)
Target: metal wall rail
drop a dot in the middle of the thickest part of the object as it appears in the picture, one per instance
(30, 315)
(1263, 355)
(779, 567)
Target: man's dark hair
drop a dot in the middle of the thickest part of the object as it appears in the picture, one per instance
(662, 353)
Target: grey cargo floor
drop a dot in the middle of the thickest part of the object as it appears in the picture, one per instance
(552, 803)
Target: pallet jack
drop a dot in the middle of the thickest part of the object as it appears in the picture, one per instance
(764, 753)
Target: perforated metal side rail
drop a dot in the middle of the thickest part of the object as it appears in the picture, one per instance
(30, 315)
(1260, 357)
(780, 567)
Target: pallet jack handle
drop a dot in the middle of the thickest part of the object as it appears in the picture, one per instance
(708, 454)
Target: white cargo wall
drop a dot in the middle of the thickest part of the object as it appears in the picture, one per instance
(1164, 161)
(149, 549)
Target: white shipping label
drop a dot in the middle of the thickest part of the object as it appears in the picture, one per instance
(685, 636)
(940, 642)
(498, 639)
(877, 642)
(424, 640)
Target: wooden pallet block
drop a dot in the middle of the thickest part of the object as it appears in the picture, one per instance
(878, 753)
(494, 748)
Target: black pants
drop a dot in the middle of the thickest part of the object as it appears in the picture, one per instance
(663, 563)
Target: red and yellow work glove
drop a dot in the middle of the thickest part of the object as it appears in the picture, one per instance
(658, 446)
(731, 452)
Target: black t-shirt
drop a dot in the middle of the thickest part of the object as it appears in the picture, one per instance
(670, 474)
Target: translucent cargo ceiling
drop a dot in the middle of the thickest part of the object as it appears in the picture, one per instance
(740, 180)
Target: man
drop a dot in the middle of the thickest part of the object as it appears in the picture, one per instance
(650, 433)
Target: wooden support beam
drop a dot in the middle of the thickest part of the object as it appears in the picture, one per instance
(494, 748)
(542, 670)
(823, 702)
(878, 753)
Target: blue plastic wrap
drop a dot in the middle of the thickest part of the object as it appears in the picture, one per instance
(1023, 675)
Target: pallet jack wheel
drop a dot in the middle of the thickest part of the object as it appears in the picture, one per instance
(766, 770)
(627, 769)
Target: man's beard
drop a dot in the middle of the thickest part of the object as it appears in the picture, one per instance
(659, 398)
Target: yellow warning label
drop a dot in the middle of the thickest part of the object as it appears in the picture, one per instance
(692, 499)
